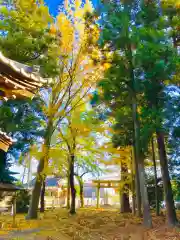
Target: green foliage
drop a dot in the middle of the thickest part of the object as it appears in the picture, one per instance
(6, 176)
(26, 38)
(22, 120)
(143, 62)
(87, 165)
(176, 189)
(173, 123)
(26, 35)
(22, 201)
(141, 49)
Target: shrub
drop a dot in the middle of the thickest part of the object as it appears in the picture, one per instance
(22, 201)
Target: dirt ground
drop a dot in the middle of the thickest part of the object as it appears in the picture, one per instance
(87, 224)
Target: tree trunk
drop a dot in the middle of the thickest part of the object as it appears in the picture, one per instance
(170, 209)
(156, 181)
(147, 221)
(133, 200)
(68, 192)
(137, 143)
(73, 190)
(43, 190)
(98, 195)
(125, 205)
(138, 192)
(82, 195)
(133, 184)
(137, 185)
(81, 191)
(133, 189)
(136, 124)
(33, 208)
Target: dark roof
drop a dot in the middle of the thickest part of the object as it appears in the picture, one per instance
(9, 187)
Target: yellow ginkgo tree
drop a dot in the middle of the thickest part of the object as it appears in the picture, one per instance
(76, 79)
(78, 132)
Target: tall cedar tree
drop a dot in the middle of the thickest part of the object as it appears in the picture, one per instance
(117, 35)
(152, 61)
(158, 62)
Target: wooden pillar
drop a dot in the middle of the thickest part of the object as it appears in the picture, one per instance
(98, 194)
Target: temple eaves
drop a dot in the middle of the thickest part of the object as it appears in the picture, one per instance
(18, 80)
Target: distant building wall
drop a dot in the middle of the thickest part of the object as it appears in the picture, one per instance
(5, 202)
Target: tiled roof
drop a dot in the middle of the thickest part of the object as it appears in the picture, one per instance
(17, 79)
(21, 70)
(9, 187)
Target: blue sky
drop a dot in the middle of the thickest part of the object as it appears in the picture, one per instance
(53, 5)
